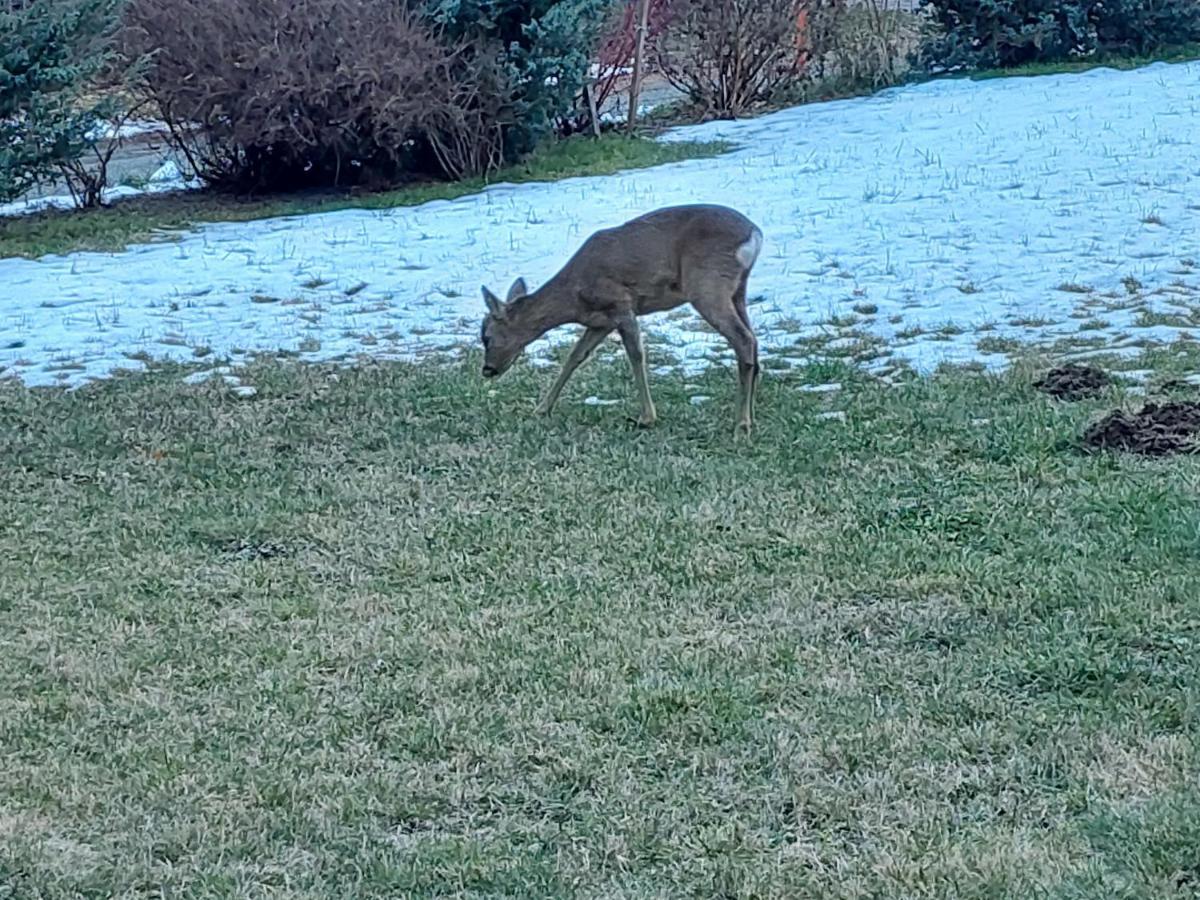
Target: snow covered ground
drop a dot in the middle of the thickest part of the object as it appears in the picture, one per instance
(936, 222)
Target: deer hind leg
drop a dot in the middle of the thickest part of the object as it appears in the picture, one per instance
(631, 336)
(588, 341)
(750, 385)
(724, 308)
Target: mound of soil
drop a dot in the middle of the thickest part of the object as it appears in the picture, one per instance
(1073, 382)
(1158, 429)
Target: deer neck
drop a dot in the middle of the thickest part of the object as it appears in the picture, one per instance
(542, 311)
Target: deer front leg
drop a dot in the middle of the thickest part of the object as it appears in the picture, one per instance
(588, 341)
(631, 336)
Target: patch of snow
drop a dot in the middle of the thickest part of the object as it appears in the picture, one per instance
(166, 178)
(698, 399)
(593, 400)
(836, 415)
(620, 115)
(821, 388)
(135, 128)
(225, 373)
(595, 69)
(952, 202)
(168, 173)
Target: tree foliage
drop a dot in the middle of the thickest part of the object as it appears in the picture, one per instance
(51, 52)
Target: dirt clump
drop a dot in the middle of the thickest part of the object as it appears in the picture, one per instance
(1157, 429)
(1073, 382)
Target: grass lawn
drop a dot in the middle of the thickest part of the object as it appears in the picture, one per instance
(148, 217)
(379, 632)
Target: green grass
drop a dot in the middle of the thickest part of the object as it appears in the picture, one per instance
(1071, 287)
(147, 218)
(379, 632)
(1149, 318)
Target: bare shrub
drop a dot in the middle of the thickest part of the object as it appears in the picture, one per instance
(280, 94)
(729, 55)
(86, 175)
(819, 27)
(614, 58)
(870, 44)
(464, 127)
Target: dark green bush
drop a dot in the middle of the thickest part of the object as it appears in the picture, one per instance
(1001, 33)
(1141, 27)
(50, 53)
(545, 46)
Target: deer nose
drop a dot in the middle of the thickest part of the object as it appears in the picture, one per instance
(489, 372)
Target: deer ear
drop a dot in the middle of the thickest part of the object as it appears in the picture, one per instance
(495, 307)
(517, 291)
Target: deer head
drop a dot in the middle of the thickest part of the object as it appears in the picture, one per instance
(502, 340)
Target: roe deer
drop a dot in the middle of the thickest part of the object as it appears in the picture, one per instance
(699, 254)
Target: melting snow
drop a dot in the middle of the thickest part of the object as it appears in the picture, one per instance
(927, 223)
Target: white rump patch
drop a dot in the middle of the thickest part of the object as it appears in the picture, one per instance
(747, 253)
